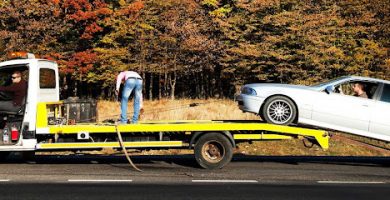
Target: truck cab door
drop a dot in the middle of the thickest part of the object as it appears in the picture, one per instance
(48, 89)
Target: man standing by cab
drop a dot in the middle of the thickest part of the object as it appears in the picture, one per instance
(132, 81)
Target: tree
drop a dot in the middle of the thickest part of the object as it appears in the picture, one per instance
(32, 26)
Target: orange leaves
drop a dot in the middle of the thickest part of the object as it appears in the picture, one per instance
(81, 15)
(52, 56)
(83, 10)
(55, 2)
(56, 13)
(133, 8)
(81, 62)
(87, 13)
(90, 30)
(77, 4)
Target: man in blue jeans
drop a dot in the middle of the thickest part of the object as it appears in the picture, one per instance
(133, 81)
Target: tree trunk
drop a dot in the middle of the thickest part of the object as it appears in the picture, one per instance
(166, 85)
(202, 83)
(151, 87)
(75, 89)
(218, 81)
(196, 84)
(143, 82)
(159, 86)
(173, 85)
(173, 78)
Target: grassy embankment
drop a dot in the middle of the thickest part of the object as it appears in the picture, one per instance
(228, 110)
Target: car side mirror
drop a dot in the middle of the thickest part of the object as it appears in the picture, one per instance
(329, 89)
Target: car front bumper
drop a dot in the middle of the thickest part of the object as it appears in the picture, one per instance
(249, 103)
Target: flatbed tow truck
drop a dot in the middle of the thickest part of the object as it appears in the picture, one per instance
(44, 123)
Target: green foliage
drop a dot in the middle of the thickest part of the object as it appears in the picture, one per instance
(210, 3)
(221, 12)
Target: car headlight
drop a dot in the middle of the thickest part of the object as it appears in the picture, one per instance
(248, 91)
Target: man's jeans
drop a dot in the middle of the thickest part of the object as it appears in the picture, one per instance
(130, 85)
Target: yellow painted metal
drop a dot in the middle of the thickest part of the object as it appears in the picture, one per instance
(270, 130)
(53, 103)
(320, 135)
(109, 144)
(261, 137)
(323, 140)
(41, 116)
(179, 121)
(94, 128)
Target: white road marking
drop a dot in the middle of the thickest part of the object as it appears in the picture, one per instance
(224, 181)
(351, 182)
(4, 180)
(97, 180)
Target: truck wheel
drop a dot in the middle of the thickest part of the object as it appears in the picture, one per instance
(28, 156)
(279, 110)
(213, 151)
(4, 155)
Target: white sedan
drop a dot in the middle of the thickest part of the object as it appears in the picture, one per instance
(329, 105)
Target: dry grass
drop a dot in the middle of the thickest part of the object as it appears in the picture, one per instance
(179, 110)
(228, 110)
(296, 148)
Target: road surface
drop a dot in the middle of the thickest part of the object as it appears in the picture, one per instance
(177, 177)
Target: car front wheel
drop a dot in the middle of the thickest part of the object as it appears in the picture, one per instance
(279, 110)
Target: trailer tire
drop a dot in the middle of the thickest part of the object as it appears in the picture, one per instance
(213, 151)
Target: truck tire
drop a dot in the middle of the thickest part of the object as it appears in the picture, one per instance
(28, 156)
(213, 151)
(4, 155)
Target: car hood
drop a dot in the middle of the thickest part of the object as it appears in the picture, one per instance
(279, 86)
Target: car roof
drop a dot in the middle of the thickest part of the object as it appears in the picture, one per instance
(367, 79)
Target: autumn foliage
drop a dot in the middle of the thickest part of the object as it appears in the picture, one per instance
(200, 49)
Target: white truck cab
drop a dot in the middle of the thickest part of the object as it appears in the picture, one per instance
(17, 130)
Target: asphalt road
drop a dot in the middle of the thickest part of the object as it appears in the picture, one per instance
(177, 177)
(191, 191)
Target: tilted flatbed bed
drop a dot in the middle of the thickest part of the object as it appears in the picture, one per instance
(213, 141)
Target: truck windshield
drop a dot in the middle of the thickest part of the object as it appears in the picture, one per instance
(6, 72)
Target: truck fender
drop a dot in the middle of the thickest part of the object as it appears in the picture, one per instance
(197, 135)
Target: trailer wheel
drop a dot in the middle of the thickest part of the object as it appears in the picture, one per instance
(213, 151)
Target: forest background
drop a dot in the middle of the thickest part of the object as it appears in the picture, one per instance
(199, 48)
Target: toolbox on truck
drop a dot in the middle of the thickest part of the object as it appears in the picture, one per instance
(80, 110)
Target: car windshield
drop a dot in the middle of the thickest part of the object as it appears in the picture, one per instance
(329, 82)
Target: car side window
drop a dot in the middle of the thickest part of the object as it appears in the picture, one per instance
(357, 89)
(344, 88)
(385, 97)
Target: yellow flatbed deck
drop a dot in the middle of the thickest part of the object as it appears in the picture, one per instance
(239, 130)
(235, 130)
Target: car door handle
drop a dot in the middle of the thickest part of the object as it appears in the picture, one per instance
(365, 105)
